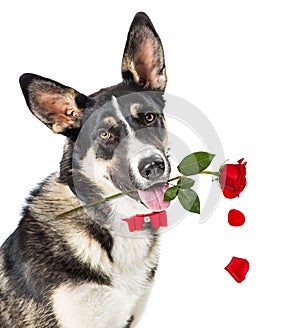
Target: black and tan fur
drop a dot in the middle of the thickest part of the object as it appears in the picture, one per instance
(84, 269)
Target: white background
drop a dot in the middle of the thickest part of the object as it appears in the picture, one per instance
(238, 62)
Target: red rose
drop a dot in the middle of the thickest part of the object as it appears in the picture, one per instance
(233, 179)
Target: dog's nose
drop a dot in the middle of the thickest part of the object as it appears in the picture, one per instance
(152, 167)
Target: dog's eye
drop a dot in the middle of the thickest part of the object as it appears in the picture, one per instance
(150, 117)
(104, 135)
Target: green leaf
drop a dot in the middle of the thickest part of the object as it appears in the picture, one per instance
(185, 183)
(170, 193)
(189, 200)
(195, 163)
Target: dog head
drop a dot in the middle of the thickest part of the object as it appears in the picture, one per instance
(116, 137)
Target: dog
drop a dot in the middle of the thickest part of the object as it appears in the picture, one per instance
(85, 268)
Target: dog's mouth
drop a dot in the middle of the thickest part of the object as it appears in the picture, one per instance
(153, 197)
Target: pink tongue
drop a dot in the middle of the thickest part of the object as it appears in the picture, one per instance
(153, 198)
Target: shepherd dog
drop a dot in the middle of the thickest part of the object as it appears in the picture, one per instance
(88, 268)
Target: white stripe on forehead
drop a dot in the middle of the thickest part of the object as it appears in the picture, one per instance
(119, 114)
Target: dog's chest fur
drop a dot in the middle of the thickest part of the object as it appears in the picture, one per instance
(92, 305)
(130, 271)
(96, 285)
(130, 268)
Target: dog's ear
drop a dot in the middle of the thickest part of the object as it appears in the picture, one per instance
(57, 106)
(143, 59)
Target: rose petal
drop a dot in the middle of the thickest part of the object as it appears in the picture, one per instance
(236, 218)
(238, 268)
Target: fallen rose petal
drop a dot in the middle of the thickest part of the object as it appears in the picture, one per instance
(236, 218)
(238, 268)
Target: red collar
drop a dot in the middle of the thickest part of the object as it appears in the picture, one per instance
(157, 219)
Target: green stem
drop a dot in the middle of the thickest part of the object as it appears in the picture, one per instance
(176, 178)
(120, 194)
(217, 174)
(93, 203)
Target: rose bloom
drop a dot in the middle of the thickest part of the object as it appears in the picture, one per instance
(233, 179)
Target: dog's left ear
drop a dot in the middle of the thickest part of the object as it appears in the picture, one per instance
(57, 106)
(143, 59)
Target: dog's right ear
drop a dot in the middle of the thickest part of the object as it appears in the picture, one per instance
(57, 106)
(143, 60)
